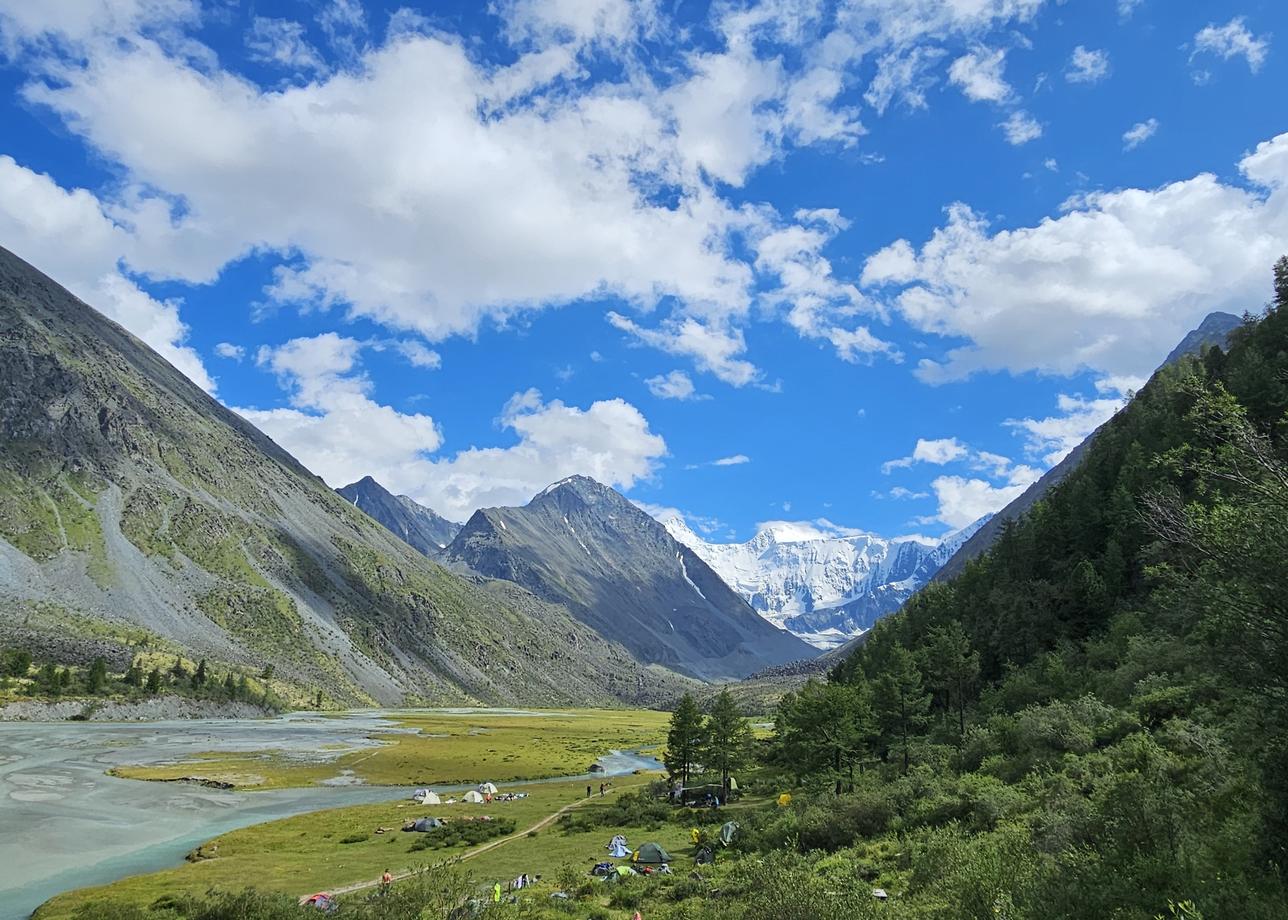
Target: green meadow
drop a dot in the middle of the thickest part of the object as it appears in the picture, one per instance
(339, 848)
(446, 748)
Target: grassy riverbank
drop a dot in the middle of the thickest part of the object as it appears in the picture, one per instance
(336, 848)
(437, 747)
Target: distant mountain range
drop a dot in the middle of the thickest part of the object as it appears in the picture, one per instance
(825, 589)
(137, 512)
(415, 524)
(581, 544)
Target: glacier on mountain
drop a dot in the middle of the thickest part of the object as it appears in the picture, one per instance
(826, 587)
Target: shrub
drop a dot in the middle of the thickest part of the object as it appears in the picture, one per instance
(456, 833)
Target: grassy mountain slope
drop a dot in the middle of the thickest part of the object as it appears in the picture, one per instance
(132, 504)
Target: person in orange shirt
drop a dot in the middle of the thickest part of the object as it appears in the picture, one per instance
(387, 879)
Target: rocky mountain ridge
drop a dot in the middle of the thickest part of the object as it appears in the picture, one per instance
(420, 527)
(824, 588)
(583, 545)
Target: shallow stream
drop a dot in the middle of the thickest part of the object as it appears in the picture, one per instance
(65, 824)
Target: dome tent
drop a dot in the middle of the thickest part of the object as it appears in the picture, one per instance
(474, 797)
(487, 788)
(651, 854)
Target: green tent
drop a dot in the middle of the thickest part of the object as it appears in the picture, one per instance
(727, 830)
(652, 854)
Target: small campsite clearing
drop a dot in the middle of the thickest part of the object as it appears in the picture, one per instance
(432, 747)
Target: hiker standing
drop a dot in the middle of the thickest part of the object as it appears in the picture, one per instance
(386, 880)
(601, 790)
(587, 791)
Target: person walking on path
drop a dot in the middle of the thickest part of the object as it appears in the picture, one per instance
(588, 791)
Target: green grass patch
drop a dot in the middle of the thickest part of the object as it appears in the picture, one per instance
(449, 748)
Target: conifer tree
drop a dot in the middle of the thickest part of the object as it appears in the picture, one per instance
(953, 667)
(97, 679)
(154, 681)
(685, 739)
(901, 701)
(729, 738)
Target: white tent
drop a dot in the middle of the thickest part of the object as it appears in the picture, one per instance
(426, 797)
(487, 788)
(473, 797)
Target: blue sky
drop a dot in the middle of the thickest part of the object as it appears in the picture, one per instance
(871, 264)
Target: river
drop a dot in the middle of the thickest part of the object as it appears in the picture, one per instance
(65, 824)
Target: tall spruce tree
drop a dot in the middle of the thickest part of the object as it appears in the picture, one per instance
(729, 738)
(97, 679)
(953, 667)
(901, 701)
(685, 739)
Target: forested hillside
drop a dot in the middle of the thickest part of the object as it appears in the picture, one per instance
(1090, 721)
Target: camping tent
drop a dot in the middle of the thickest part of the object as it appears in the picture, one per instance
(652, 854)
(418, 794)
(473, 797)
(426, 824)
(320, 901)
(727, 830)
(617, 847)
(426, 797)
(487, 789)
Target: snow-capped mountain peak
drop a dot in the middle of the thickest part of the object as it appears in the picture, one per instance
(824, 583)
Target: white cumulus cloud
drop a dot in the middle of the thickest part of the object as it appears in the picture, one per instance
(1231, 40)
(1140, 132)
(1087, 66)
(979, 75)
(1110, 284)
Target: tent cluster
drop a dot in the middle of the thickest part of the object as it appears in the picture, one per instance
(483, 792)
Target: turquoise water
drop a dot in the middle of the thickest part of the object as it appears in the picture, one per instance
(68, 825)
